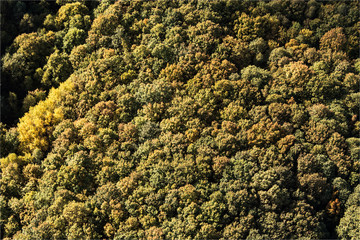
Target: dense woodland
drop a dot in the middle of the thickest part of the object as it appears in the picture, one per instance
(180, 119)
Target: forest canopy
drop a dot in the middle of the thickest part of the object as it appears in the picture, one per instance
(186, 119)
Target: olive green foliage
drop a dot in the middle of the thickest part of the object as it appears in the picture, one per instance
(180, 120)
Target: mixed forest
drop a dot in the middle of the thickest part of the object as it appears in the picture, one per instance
(180, 119)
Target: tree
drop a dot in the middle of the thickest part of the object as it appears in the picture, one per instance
(334, 39)
(249, 28)
(57, 69)
(349, 223)
(36, 126)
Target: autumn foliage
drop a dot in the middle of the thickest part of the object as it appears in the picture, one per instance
(180, 119)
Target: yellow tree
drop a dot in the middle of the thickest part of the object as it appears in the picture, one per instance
(36, 127)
